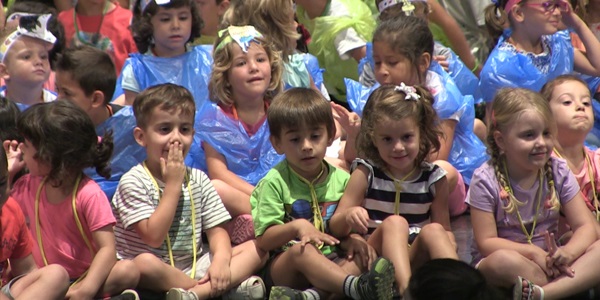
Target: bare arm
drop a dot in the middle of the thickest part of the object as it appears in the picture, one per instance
(439, 207)
(447, 127)
(217, 169)
(352, 197)
(582, 223)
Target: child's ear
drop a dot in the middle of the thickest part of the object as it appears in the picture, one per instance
(276, 144)
(138, 134)
(499, 139)
(423, 62)
(223, 6)
(97, 99)
(4, 72)
(517, 13)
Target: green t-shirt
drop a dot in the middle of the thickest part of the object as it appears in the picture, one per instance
(281, 197)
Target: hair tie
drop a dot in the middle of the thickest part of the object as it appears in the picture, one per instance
(242, 35)
(31, 25)
(410, 91)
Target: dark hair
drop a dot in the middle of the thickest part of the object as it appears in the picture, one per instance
(422, 9)
(549, 87)
(388, 102)
(65, 138)
(450, 279)
(9, 114)
(54, 26)
(141, 27)
(299, 107)
(167, 96)
(91, 68)
(409, 36)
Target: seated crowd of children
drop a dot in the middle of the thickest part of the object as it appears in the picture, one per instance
(220, 161)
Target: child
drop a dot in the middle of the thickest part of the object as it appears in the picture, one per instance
(162, 32)
(211, 12)
(293, 203)
(9, 113)
(163, 207)
(397, 134)
(23, 280)
(530, 58)
(68, 213)
(86, 77)
(102, 24)
(516, 199)
(571, 105)
(234, 132)
(592, 17)
(402, 51)
(24, 63)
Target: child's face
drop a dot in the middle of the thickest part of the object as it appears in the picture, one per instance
(542, 16)
(304, 148)
(392, 67)
(36, 167)
(527, 142)
(69, 89)
(27, 61)
(211, 13)
(163, 129)
(397, 142)
(172, 29)
(571, 106)
(250, 73)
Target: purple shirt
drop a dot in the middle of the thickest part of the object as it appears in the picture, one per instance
(484, 194)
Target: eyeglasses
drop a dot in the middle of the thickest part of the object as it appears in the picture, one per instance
(549, 6)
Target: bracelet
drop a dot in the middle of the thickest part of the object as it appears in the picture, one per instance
(476, 65)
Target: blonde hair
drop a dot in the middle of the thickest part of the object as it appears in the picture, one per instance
(386, 102)
(508, 105)
(219, 87)
(270, 17)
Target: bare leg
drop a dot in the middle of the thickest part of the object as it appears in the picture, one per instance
(124, 275)
(502, 268)
(155, 275)
(50, 282)
(236, 202)
(433, 242)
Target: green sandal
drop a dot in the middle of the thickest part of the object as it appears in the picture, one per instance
(518, 290)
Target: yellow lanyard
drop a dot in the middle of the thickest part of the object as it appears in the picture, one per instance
(316, 210)
(590, 170)
(77, 221)
(398, 188)
(167, 238)
(528, 235)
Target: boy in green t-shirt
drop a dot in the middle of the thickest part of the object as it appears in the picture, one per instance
(293, 203)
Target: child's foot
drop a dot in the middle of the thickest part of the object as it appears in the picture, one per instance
(181, 294)
(127, 295)
(285, 293)
(378, 282)
(527, 290)
(252, 288)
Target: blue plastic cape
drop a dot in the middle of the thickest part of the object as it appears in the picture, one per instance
(507, 68)
(191, 70)
(316, 72)
(250, 157)
(465, 80)
(468, 152)
(126, 152)
(295, 72)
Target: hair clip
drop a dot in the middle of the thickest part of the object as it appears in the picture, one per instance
(144, 3)
(407, 7)
(410, 91)
(242, 35)
(34, 26)
(496, 3)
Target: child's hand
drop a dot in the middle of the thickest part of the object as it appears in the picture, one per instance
(14, 156)
(539, 258)
(349, 121)
(357, 248)
(220, 278)
(77, 293)
(569, 17)
(308, 234)
(358, 219)
(173, 169)
(442, 61)
(557, 257)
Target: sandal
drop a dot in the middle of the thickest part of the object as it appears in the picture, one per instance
(252, 288)
(518, 290)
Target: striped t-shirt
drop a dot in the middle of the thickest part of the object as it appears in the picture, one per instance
(136, 199)
(416, 195)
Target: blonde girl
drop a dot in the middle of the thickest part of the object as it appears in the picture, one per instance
(234, 132)
(394, 194)
(516, 198)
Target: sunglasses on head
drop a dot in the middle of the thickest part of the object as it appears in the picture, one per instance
(550, 6)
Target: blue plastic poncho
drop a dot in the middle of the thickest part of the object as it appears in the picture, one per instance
(190, 70)
(465, 80)
(312, 65)
(506, 67)
(295, 73)
(126, 152)
(249, 157)
(467, 152)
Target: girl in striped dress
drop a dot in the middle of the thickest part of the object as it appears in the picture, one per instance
(394, 196)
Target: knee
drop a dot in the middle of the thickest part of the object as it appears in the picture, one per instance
(148, 264)
(56, 273)
(433, 230)
(394, 223)
(298, 252)
(500, 262)
(127, 273)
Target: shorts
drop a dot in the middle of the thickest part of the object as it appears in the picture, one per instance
(202, 265)
(6, 289)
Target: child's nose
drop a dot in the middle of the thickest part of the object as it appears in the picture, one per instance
(306, 145)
